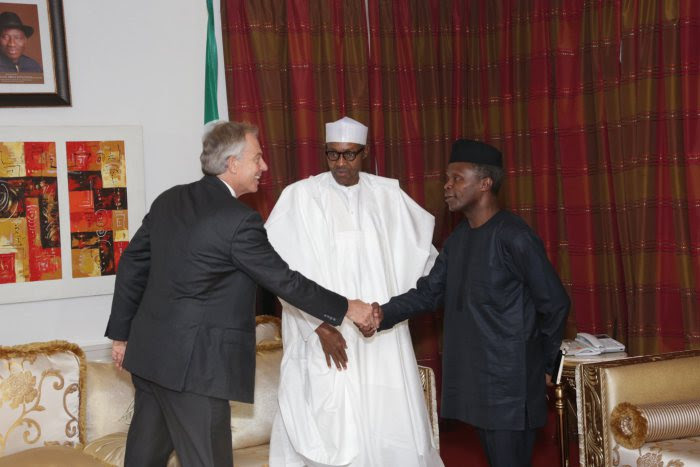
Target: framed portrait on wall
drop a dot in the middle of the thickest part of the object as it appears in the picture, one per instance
(71, 198)
(33, 59)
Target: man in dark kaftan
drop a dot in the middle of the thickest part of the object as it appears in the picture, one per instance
(505, 311)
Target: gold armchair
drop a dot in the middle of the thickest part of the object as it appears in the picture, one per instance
(602, 386)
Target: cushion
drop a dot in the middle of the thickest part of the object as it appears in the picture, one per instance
(110, 449)
(110, 404)
(109, 400)
(40, 398)
(254, 456)
(50, 456)
(251, 424)
(634, 425)
(267, 329)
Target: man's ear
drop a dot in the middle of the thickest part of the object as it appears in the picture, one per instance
(365, 152)
(232, 164)
(486, 184)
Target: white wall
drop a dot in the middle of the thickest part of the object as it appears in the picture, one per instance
(131, 62)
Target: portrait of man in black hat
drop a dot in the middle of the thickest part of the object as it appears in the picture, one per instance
(14, 35)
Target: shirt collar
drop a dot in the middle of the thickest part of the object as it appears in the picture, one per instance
(233, 193)
(345, 189)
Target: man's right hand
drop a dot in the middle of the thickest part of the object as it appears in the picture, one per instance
(377, 316)
(118, 351)
(360, 313)
(333, 344)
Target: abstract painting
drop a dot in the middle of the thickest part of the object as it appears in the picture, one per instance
(94, 174)
(99, 223)
(30, 240)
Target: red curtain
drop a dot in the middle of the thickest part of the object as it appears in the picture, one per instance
(594, 103)
(657, 168)
(291, 66)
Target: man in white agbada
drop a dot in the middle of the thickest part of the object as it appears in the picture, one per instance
(359, 235)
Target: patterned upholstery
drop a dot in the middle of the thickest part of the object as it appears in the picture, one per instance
(40, 398)
(89, 407)
(683, 452)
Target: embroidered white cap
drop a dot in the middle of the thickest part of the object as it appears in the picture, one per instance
(346, 130)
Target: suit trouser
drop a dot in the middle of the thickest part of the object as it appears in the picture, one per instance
(508, 448)
(197, 427)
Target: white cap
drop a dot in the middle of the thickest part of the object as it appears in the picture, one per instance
(346, 130)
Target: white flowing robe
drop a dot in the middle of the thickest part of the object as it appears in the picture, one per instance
(370, 241)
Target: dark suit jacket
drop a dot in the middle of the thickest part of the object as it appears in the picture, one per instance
(23, 65)
(185, 292)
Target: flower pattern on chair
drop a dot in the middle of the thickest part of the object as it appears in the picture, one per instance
(40, 396)
(668, 453)
(18, 388)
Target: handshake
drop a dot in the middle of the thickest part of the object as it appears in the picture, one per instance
(365, 316)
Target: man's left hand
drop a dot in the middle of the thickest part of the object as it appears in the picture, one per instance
(548, 380)
(333, 345)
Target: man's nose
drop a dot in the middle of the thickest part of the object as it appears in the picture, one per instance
(341, 160)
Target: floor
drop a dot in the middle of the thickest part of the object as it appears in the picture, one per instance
(459, 446)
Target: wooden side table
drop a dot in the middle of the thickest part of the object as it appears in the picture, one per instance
(565, 399)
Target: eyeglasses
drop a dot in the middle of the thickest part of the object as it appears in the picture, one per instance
(347, 155)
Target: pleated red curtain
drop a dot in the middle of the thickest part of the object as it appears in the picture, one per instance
(595, 105)
(291, 66)
(657, 172)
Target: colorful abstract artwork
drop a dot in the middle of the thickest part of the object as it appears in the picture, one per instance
(30, 240)
(98, 206)
(48, 253)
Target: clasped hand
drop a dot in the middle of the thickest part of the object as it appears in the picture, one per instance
(366, 317)
(377, 316)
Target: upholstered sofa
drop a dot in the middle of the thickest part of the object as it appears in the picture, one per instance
(640, 411)
(56, 409)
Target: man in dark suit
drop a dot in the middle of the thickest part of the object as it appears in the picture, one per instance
(505, 311)
(184, 299)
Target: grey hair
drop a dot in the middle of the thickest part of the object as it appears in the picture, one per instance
(223, 139)
(493, 172)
